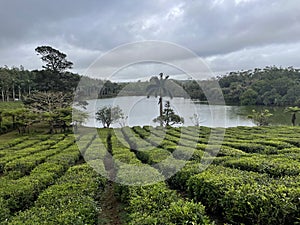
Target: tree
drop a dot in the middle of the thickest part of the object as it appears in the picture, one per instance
(50, 105)
(261, 118)
(293, 110)
(168, 117)
(55, 60)
(24, 119)
(5, 83)
(158, 88)
(108, 115)
(249, 97)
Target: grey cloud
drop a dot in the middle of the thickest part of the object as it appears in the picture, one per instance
(228, 34)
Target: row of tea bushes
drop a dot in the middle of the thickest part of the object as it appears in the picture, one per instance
(246, 197)
(192, 135)
(135, 142)
(149, 203)
(22, 166)
(21, 193)
(241, 197)
(35, 147)
(169, 139)
(258, 146)
(262, 133)
(16, 145)
(160, 155)
(71, 200)
(249, 147)
(146, 201)
(156, 139)
(16, 141)
(157, 204)
(276, 166)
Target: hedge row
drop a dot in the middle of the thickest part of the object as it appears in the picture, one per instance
(154, 203)
(249, 147)
(19, 143)
(156, 138)
(70, 201)
(20, 194)
(171, 138)
(275, 166)
(157, 204)
(249, 133)
(246, 197)
(41, 146)
(136, 143)
(122, 154)
(22, 166)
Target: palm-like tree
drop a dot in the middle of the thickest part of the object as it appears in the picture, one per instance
(158, 88)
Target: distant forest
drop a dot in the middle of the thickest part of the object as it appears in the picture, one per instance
(271, 86)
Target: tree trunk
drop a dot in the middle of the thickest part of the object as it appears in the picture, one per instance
(7, 96)
(13, 92)
(294, 119)
(161, 110)
(19, 93)
(2, 93)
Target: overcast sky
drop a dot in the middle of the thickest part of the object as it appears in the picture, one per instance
(228, 34)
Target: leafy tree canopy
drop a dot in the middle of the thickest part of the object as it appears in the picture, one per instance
(55, 60)
(109, 114)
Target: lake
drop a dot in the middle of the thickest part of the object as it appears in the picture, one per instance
(141, 111)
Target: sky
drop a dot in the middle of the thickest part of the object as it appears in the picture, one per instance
(228, 35)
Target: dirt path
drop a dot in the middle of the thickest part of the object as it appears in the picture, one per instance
(111, 207)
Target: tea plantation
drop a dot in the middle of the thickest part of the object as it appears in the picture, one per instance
(45, 179)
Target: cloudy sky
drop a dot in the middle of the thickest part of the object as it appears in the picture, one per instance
(228, 35)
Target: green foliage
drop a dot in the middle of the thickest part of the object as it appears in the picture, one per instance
(108, 115)
(69, 201)
(249, 97)
(4, 210)
(156, 204)
(261, 118)
(254, 179)
(269, 86)
(168, 117)
(276, 166)
(245, 197)
(54, 59)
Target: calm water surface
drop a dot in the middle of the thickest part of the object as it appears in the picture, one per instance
(141, 111)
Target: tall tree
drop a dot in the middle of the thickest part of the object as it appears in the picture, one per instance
(55, 60)
(158, 87)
